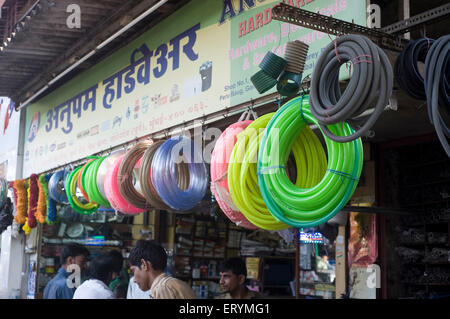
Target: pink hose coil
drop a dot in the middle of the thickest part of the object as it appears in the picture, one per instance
(219, 166)
(111, 186)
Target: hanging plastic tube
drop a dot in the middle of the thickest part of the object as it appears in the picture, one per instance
(242, 177)
(71, 188)
(90, 182)
(219, 167)
(318, 199)
(168, 179)
(56, 187)
(104, 168)
(145, 178)
(112, 192)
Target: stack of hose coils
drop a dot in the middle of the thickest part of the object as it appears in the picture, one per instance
(371, 83)
(242, 176)
(437, 87)
(3, 191)
(126, 173)
(219, 167)
(290, 80)
(112, 191)
(180, 185)
(56, 187)
(145, 178)
(406, 69)
(318, 195)
(271, 67)
(103, 169)
(90, 183)
(72, 183)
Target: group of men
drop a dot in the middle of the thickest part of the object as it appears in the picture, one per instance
(148, 261)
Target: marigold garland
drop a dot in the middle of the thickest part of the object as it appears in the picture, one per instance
(21, 208)
(33, 200)
(25, 227)
(11, 186)
(41, 211)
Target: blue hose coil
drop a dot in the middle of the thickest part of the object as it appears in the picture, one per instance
(164, 173)
(56, 187)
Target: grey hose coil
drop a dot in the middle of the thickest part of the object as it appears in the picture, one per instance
(147, 187)
(437, 88)
(372, 81)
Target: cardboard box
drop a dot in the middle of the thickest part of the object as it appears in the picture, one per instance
(365, 191)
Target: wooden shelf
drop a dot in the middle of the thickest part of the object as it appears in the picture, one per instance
(427, 203)
(447, 180)
(427, 284)
(428, 163)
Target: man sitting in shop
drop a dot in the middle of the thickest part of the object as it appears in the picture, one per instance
(58, 287)
(148, 260)
(233, 275)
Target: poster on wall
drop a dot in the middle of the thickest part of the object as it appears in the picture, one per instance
(197, 61)
(9, 138)
(362, 244)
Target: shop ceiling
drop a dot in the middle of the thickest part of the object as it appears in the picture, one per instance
(37, 44)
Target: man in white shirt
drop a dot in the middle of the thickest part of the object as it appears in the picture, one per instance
(102, 271)
(134, 292)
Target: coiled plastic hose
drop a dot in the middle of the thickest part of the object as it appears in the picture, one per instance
(406, 68)
(104, 168)
(81, 179)
(112, 192)
(165, 173)
(437, 87)
(91, 186)
(56, 187)
(219, 167)
(318, 197)
(51, 217)
(71, 188)
(125, 175)
(242, 177)
(145, 178)
(371, 83)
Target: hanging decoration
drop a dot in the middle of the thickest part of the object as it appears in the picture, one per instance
(41, 211)
(32, 200)
(21, 207)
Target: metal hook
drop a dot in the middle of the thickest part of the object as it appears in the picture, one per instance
(203, 119)
(226, 114)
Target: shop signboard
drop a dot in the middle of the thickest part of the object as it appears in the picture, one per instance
(196, 62)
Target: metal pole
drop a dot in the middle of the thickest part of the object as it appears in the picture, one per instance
(297, 265)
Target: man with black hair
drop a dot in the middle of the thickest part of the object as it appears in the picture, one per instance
(148, 261)
(71, 254)
(102, 271)
(119, 285)
(233, 274)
